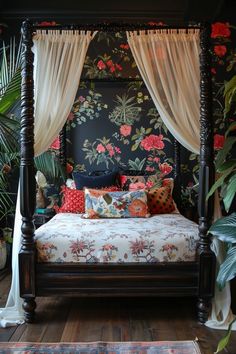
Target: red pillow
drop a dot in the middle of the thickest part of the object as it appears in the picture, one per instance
(73, 199)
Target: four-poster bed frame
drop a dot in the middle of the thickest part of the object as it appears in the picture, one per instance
(115, 280)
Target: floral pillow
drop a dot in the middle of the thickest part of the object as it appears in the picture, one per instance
(73, 199)
(103, 204)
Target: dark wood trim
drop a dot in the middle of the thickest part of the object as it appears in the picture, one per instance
(103, 280)
(27, 258)
(115, 27)
(206, 179)
(177, 175)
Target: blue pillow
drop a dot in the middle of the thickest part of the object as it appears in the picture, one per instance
(106, 180)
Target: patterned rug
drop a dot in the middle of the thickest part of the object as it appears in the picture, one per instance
(165, 347)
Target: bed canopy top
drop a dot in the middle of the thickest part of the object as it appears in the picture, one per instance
(27, 258)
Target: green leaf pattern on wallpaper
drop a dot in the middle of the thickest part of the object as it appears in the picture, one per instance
(116, 123)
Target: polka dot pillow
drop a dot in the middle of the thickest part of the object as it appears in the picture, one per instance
(72, 201)
(160, 201)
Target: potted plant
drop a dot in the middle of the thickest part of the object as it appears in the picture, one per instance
(225, 228)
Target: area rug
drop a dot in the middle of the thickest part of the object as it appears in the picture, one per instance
(165, 347)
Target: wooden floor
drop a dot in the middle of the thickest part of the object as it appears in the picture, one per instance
(75, 320)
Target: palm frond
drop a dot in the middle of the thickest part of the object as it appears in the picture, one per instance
(50, 166)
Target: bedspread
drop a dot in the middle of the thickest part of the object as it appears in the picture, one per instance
(160, 238)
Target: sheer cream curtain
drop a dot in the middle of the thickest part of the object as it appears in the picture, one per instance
(168, 61)
(58, 63)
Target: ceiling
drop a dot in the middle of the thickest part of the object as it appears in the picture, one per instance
(71, 11)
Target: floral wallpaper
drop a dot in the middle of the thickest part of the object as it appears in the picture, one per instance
(114, 123)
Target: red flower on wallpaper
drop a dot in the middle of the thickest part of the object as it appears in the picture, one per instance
(69, 168)
(165, 168)
(56, 144)
(218, 141)
(125, 129)
(220, 50)
(101, 65)
(220, 29)
(152, 142)
(213, 71)
(46, 24)
(119, 67)
(124, 46)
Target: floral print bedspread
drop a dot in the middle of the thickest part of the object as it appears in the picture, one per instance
(160, 238)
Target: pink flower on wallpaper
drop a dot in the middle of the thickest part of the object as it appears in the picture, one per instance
(112, 69)
(110, 150)
(119, 67)
(56, 144)
(218, 141)
(152, 142)
(101, 65)
(156, 159)
(100, 148)
(165, 168)
(150, 169)
(125, 130)
(220, 29)
(213, 71)
(220, 50)
(81, 98)
(117, 150)
(110, 63)
(149, 184)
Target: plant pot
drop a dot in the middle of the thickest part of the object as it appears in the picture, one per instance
(3, 254)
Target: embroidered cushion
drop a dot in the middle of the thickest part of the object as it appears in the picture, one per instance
(160, 201)
(103, 204)
(73, 199)
(105, 180)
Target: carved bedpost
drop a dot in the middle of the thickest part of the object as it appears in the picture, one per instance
(63, 151)
(206, 179)
(27, 255)
(177, 174)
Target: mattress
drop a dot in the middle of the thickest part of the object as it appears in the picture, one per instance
(160, 238)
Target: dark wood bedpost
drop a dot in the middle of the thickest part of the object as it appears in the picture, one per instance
(177, 174)
(27, 255)
(206, 179)
(63, 151)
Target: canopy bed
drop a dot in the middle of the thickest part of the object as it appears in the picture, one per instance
(183, 278)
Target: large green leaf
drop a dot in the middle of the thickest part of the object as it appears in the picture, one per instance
(225, 228)
(9, 139)
(49, 165)
(230, 193)
(227, 269)
(11, 93)
(229, 93)
(225, 340)
(222, 154)
(226, 165)
(231, 127)
(220, 181)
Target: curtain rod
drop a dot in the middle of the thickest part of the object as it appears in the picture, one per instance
(115, 27)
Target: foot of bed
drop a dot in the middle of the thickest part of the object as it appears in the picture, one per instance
(29, 306)
(203, 307)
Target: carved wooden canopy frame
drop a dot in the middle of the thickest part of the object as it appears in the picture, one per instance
(167, 279)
